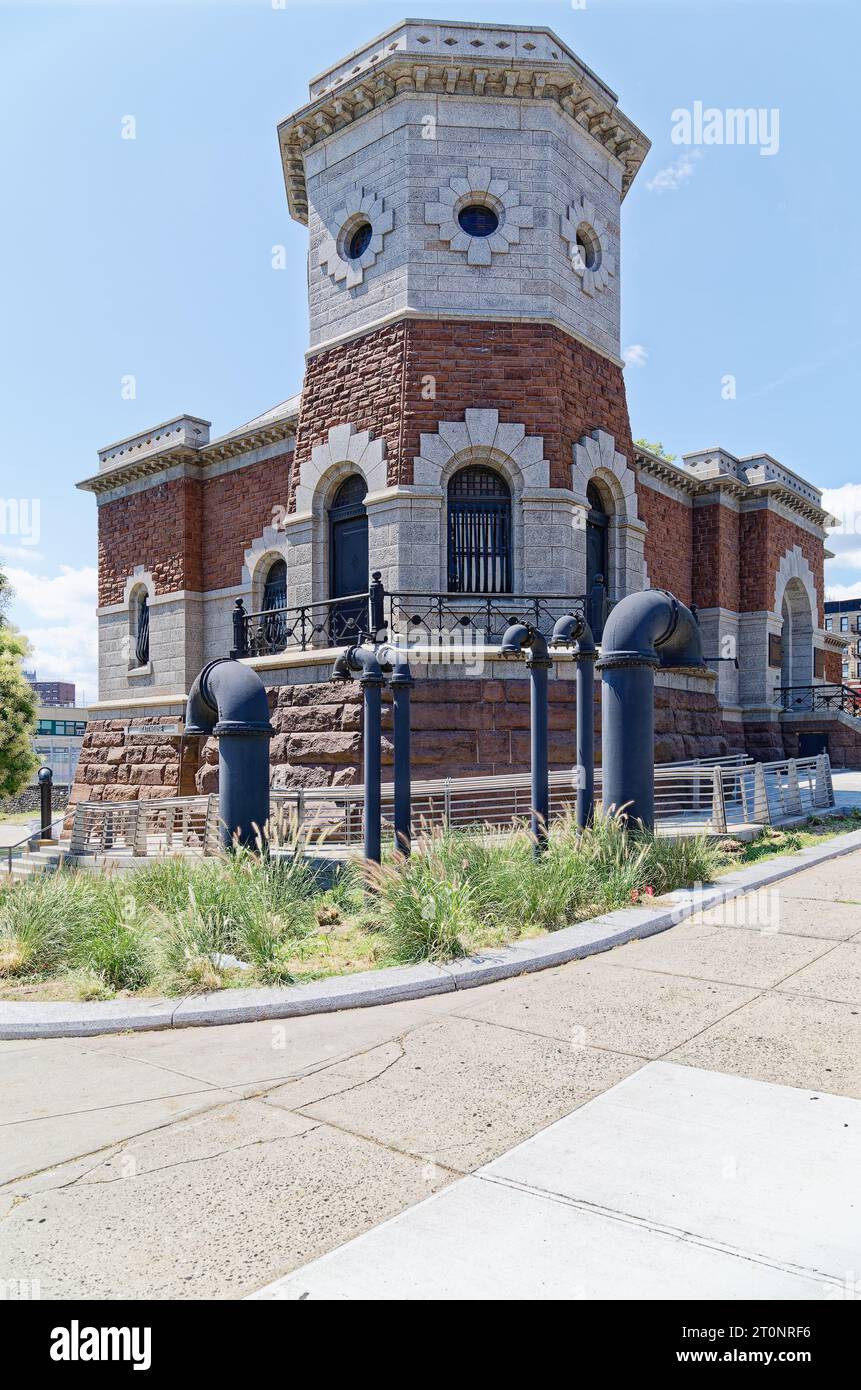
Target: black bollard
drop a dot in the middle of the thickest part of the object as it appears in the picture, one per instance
(46, 788)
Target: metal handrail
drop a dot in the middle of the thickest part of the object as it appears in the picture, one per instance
(826, 696)
(273, 630)
(33, 835)
(487, 614)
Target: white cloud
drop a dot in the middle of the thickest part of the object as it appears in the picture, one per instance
(57, 614)
(635, 355)
(841, 591)
(672, 176)
(19, 552)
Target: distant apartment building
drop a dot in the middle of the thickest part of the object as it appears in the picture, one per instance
(843, 616)
(58, 740)
(52, 693)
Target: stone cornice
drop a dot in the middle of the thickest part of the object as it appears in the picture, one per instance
(455, 59)
(144, 456)
(728, 485)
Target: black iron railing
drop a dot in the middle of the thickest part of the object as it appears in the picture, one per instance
(330, 623)
(474, 617)
(454, 619)
(808, 699)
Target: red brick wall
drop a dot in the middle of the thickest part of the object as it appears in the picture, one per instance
(159, 528)
(715, 553)
(765, 538)
(403, 380)
(236, 508)
(667, 546)
(833, 667)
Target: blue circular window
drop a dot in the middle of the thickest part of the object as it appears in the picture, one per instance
(359, 241)
(478, 220)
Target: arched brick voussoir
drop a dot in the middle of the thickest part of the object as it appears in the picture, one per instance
(344, 444)
(794, 565)
(481, 433)
(596, 454)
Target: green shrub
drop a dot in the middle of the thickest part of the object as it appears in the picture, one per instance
(425, 912)
(115, 939)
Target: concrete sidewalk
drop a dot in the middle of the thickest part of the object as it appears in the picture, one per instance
(211, 1162)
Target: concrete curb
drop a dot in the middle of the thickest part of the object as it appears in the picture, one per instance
(396, 984)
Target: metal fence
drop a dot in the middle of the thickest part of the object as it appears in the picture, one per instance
(828, 698)
(711, 796)
(185, 823)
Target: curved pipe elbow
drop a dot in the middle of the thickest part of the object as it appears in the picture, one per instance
(394, 661)
(227, 698)
(514, 639)
(654, 627)
(572, 630)
(364, 662)
(341, 671)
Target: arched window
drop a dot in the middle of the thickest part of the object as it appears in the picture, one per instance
(479, 532)
(597, 559)
(348, 559)
(274, 627)
(140, 627)
(275, 587)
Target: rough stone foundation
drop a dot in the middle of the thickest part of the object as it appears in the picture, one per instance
(118, 766)
(460, 728)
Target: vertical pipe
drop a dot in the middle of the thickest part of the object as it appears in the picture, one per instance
(371, 690)
(628, 739)
(538, 669)
(585, 687)
(243, 788)
(403, 808)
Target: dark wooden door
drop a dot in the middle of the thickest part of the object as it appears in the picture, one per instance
(348, 560)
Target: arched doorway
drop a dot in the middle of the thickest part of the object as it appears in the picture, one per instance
(479, 532)
(348, 558)
(597, 559)
(796, 650)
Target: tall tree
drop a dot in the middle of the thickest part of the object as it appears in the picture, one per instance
(17, 706)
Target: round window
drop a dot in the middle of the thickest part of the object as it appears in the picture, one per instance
(588, 247)
(478, 220)
(359, 241)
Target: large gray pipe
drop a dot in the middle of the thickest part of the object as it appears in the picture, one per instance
(645, 631)
(229, 701)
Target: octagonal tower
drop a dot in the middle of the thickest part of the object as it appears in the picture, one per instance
(461, 184)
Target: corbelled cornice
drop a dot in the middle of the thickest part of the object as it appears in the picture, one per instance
(730, 485)
(453, 59)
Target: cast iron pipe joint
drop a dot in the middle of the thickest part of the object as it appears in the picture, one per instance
(394, 662)
(523, 635)
(361, 663)
(227, 699)
(572, 630)
(651, 628)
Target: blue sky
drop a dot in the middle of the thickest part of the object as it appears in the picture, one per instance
(152, 257)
